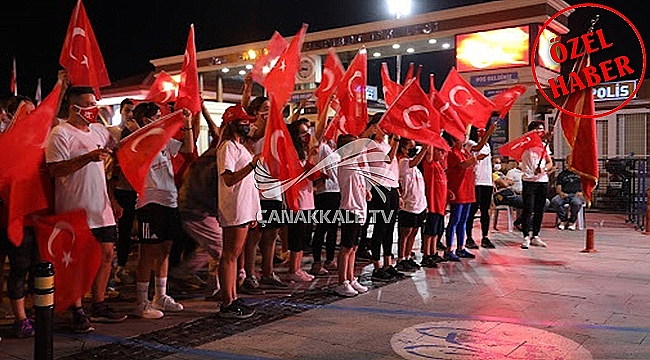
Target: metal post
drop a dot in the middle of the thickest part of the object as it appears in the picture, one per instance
(44, 307)
(219, 88)
(589, 246)
(398, 75)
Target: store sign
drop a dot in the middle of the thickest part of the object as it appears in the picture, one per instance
(619, 90)
(494, 79)
(371, 93)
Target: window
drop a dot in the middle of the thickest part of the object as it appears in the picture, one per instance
(632, 136)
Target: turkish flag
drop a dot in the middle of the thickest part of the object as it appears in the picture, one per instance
(515, 148)
(580, 134)
(504, 100)
(66, 241)
(390, 88)
(470, 104)
(163, 90)
(81, 56)
(138, 150)
(281, 80)
(24, 184)
(332, 74)
(333, 129)
(272, 53)
(188, 89)
(413, 116)
(280, 156)
(451, 122)
(352, 95)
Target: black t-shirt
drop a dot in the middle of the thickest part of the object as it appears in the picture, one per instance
(569, 181)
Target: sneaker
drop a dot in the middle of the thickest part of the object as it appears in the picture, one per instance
(450, 256)
(404, 265)
(241, 276)
(346, 289)
(518, 226)
(571, 226)
(394, 273)
(236, 310)
(464, 254)
(273, 281)
(102, 313)
(413, 263)
(317, 269)
(331, 265)
(381, 275)
(300, 276)
(80, 321)
(166, 303)
(251, 286)
(470, 244)
(428, 262)
(23, 328)
(561, 226)
(536, 241)
(358, 287)
(486, 243)
(145, 310)
(440, 246)
(526, 243)
(111, 293)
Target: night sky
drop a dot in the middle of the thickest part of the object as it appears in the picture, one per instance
(130, 33)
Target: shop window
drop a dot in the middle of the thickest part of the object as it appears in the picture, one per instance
(632, 136)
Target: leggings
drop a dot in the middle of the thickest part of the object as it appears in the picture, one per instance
(22, 260)
(483, 201)
(457, 220)
(126, 199)
(384, 227)
(325, 201)
(534, 194)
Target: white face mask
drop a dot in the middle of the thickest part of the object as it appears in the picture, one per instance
(497, 167)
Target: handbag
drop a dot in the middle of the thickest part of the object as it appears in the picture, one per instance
(502, 196)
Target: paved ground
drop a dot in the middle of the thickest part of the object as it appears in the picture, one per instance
(553, 303)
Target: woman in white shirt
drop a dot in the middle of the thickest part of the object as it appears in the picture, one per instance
(239, 204)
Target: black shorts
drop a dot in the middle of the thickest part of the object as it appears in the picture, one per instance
(435, 225)
(350, 234)
(269, 206)
(106, 234)
(411, 220)
(158, 223)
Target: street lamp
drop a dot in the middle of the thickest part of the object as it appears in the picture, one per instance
(399, 7)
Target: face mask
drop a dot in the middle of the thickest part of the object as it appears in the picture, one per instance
(497, 167)
(412, 152)
(305, 139)
(89, 114)
(243, 130)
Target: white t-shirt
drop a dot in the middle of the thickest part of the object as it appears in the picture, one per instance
(393, 167)
(530, 159)
(411, 181)
(159, 186)
(331, 184)
(353, 188)
(240, 203)
(86, 187)
(483, 168)
(515, 175)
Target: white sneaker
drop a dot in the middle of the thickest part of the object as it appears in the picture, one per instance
(358, 287)
(146, 311)
(346, 289)
(167, 303)
(536, 241)
(300, 276)
(572, 226)
(561, 226)
(526, 243)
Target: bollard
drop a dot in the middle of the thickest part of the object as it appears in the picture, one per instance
(44, 307)
(590, 242)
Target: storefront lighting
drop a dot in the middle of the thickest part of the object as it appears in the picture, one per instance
(445, 46)
(249, 66)
(410, 50)
(396, 46)
(377, 54)
(432, 41)
(225, 70)
(242, 72)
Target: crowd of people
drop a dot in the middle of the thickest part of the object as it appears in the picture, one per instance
(216, 216)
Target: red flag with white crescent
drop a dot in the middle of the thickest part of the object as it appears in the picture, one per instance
(504, 100)
(351, 94)
(451, 122)
(265, 63)
(163, 90)
(470, 104)
(188, 89)
(332, 74)
(515, 148)
(81, 56)
(138, 150)
(281, 80)
(67, 242)
(390, 88)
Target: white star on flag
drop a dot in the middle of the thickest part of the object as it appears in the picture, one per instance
(283, 66)
(67, 258)
(470, 101)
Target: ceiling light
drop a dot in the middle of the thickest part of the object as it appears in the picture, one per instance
(445, 46)
(432, 41)
(377, 54)
(396, 46)
(242, 72)
(410, 50)
(225, 70)
(249, 66)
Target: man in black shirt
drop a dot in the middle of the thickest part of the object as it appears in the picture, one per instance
(569, 191)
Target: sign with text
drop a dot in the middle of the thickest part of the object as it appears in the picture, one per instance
(619, 90)
(494, 79)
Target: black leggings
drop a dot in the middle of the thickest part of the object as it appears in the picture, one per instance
(22, 259)
(382, 233)
(483, 201)
(126, 199)
(534, 194)
(325, 201)
(299, 233)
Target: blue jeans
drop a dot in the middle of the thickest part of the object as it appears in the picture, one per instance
(575, 204)
(457, 221)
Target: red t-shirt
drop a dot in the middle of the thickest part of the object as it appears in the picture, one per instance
(435, 183)
(461, 181)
